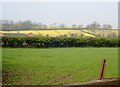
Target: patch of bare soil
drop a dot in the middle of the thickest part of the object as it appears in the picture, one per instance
(61, 78)
(107, 81)
(6, 77)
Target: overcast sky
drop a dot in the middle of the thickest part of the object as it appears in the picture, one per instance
(62, 12)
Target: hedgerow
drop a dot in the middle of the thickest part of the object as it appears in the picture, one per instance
(46, 42)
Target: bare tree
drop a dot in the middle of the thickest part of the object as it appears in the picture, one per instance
(27, 24)
(80, 26)
(62, 26)
(107, 26)
(74, 26)
(95, 25)
(88, 26)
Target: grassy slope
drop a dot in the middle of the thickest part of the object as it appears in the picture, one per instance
(57, 65)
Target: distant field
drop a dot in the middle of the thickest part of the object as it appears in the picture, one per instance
(24, 66)
(54, 33)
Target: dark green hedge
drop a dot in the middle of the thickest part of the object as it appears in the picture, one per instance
(45, 42)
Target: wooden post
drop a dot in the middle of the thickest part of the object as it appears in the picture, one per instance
(102, 69)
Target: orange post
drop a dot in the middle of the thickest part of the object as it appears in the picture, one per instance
(102, 69)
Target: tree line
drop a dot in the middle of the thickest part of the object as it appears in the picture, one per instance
(29, 25)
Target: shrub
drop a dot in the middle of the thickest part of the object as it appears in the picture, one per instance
(45, 42)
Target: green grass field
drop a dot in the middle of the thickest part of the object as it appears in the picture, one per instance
(57, 66)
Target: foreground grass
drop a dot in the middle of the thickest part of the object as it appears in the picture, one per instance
(57, 66)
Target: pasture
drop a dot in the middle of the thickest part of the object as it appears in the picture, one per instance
(56, 66)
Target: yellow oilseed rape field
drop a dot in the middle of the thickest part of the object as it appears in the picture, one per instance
(54, 33)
